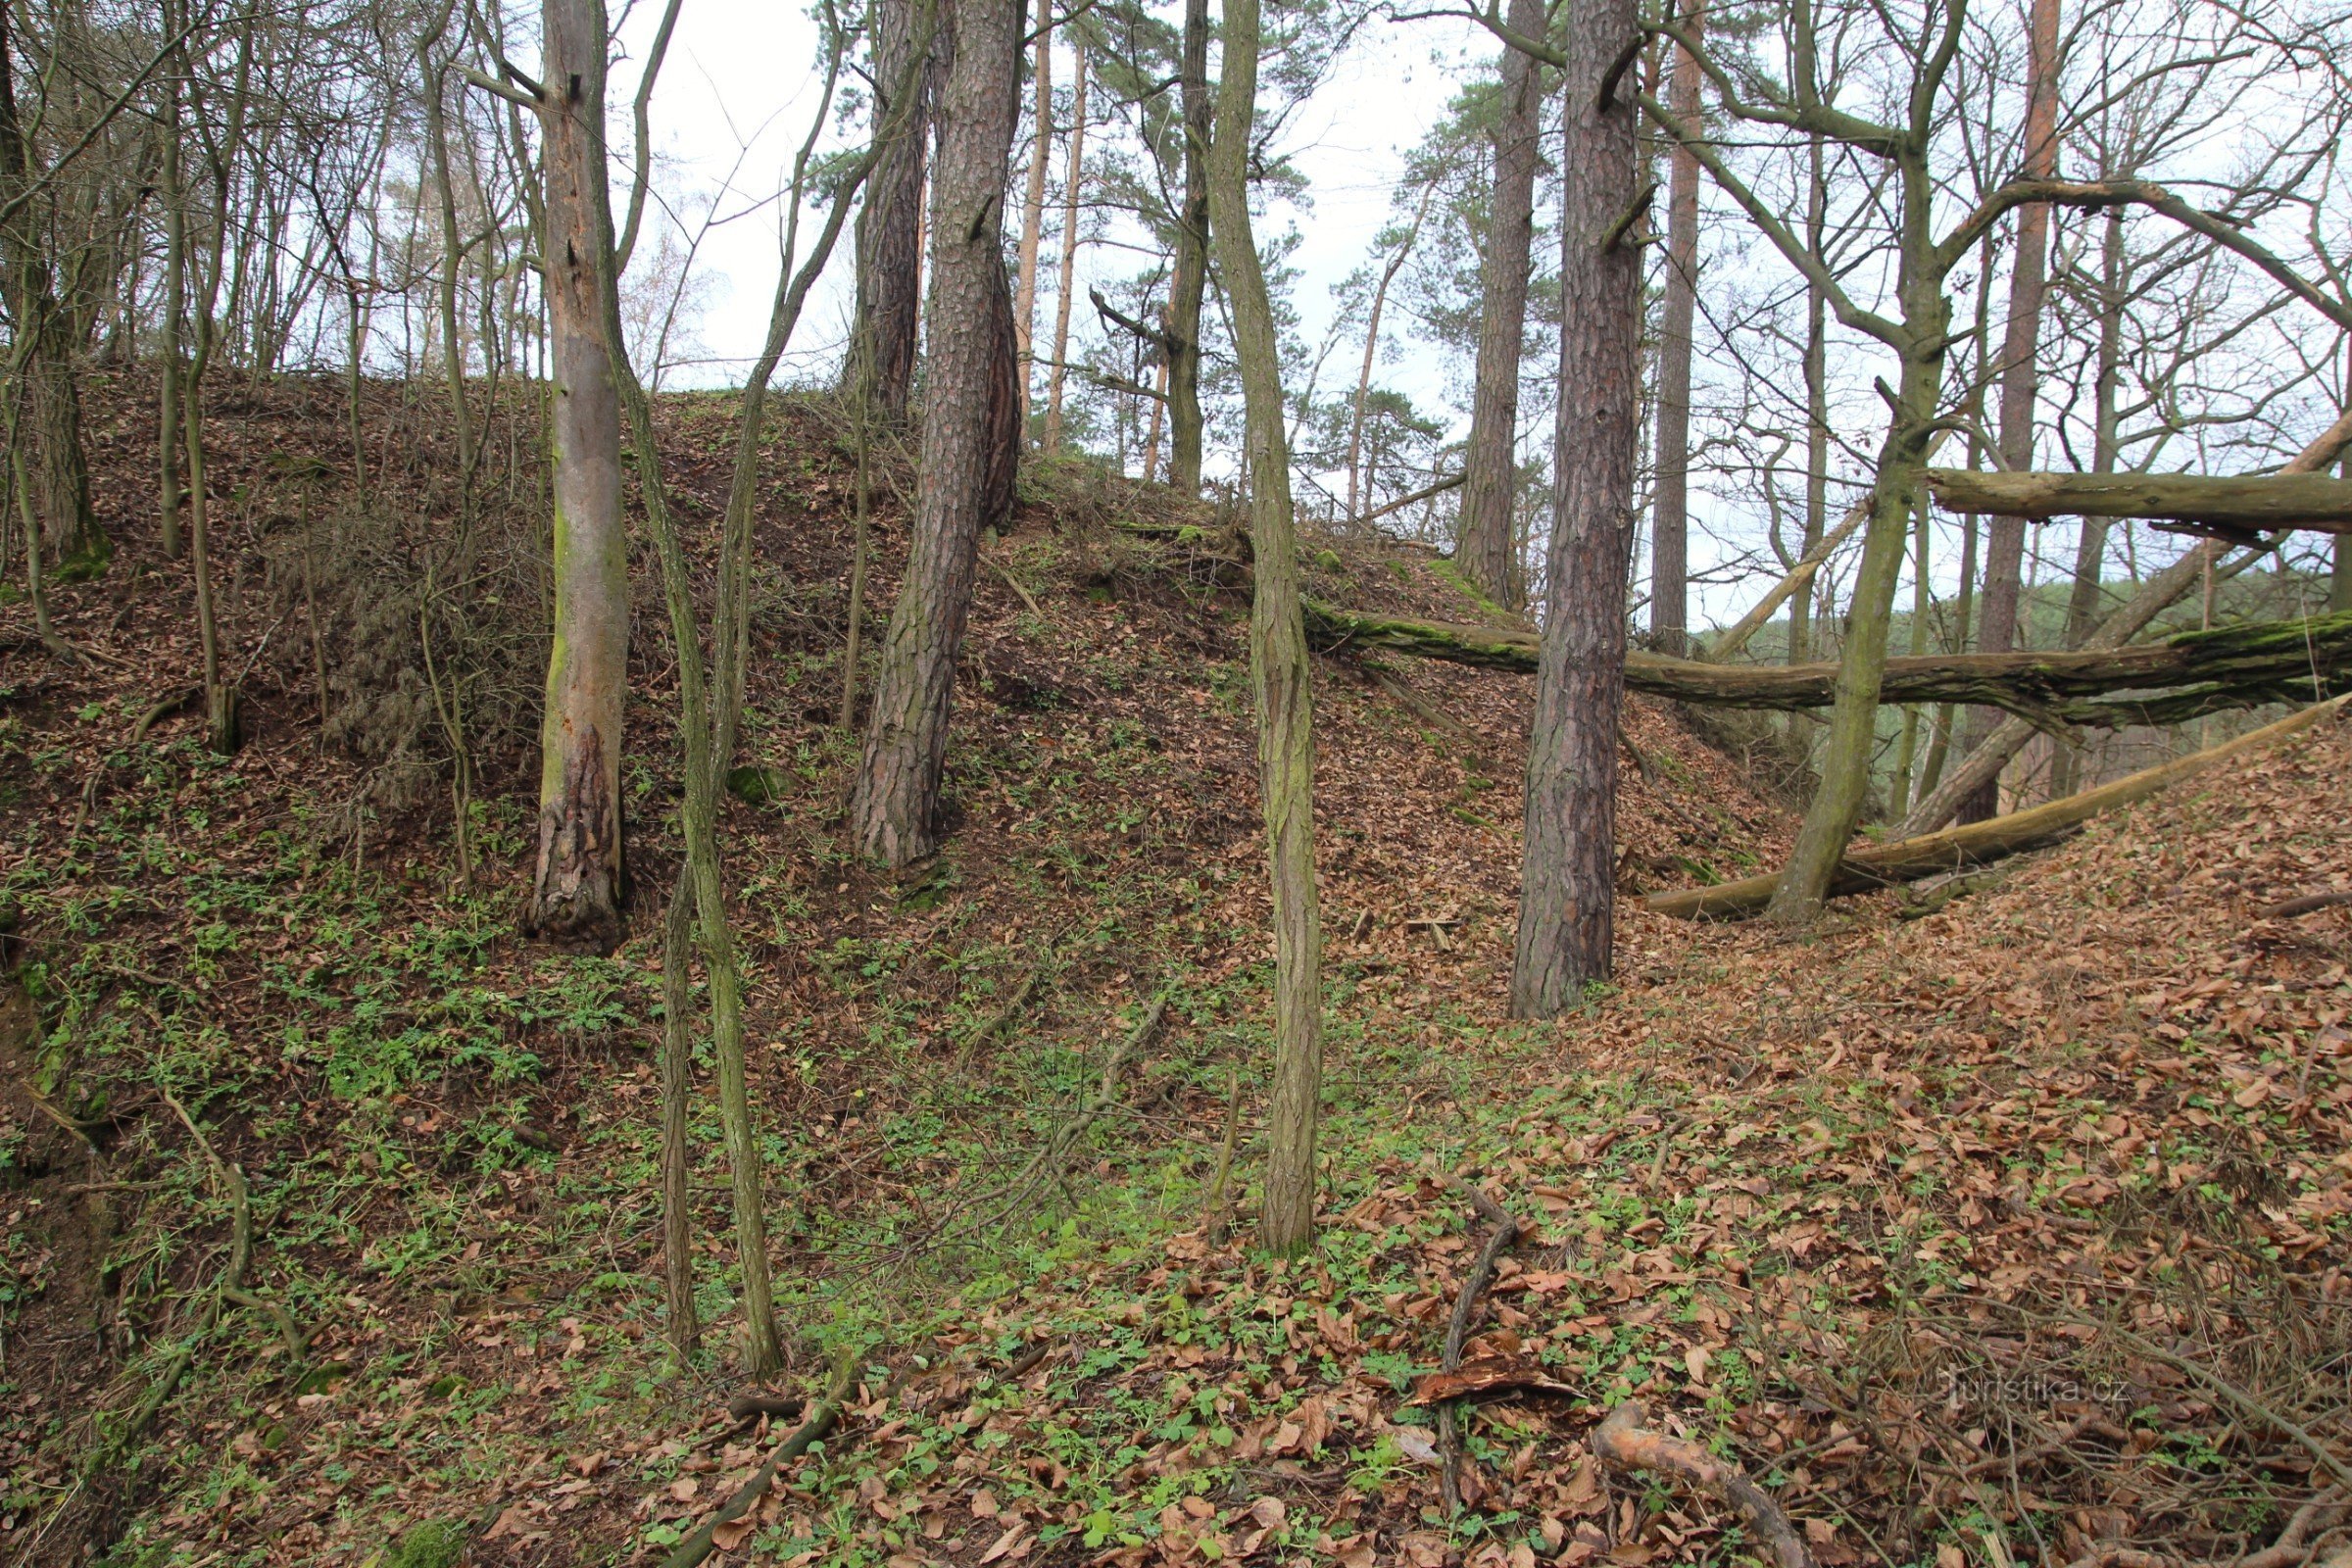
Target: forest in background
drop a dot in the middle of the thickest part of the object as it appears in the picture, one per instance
(729, 901)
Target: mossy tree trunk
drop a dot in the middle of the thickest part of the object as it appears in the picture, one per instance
(578, 890)
(1567, 897)
(895, 805)
(51, 426)
(576, 39)
(1278, 661)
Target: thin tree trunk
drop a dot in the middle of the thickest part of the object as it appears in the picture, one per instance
(1899, 792)
(175, 302)
(2090, 548)
(895, 806)
(453, 253)
(1487, 546)
(1033, 202)
(1279, 666)
(2028, 273)
(1669, 524)
(577, 890)
(1816, 415)
(890, 230)
(1159, 409)
(575, 29)
(678, 1067)
(1567, 900)
(1363, 379)
(1189, 283)
(1066, 280)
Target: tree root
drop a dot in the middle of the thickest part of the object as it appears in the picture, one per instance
(1625, 1441)
(1474, 1284)
(821, 1419)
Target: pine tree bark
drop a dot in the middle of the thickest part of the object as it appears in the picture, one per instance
(890, 229)
(895, 806)
(2029, 280)
(577, 890)
(1486, 547)
(1190, 279)
(1033, 202)
(1066, 286)
(1278, 663)
(1567, 898)
(1670, 520)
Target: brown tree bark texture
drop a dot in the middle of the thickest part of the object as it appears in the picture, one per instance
(890, 231)
(1670, 518)
(1488, 548)
(578, 890)
(1568, 865)
(895, 806)
(2029, 280)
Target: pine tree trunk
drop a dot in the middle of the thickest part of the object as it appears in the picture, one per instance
(1189, 283)
(1567, 900)
(1488, 547)
(894, 806)
(1033, 203)
(1363, 380)
(1279, 666)
(890, 230)
(1066, 279)
(1670, 522)
(2029, 274)
(577, 890)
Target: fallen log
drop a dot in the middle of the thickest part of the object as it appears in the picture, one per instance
(1881, 865)
(2126, 621)
(2240, 502)
(2182, 676)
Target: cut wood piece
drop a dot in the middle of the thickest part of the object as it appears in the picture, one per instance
(1487, 1374)
(1881, 865)
(2240, 502)
(2181, 677)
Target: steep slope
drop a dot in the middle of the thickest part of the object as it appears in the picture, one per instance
(450, 1304)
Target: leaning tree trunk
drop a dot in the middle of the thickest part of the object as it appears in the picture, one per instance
(890, 230)
(1189, 281)
(1567, 898)
(1670, 518)
(577, 892)
(1488, 545)
(895, 806)
(2005, 540)
(1844, 771)
(1278, 664)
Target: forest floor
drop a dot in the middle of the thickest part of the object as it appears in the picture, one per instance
(2015, 1232)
